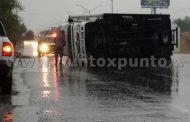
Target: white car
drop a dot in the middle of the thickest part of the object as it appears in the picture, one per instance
(6, 61)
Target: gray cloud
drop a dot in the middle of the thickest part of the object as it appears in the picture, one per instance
(40, 14)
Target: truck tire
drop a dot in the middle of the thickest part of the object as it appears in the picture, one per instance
(7, 85)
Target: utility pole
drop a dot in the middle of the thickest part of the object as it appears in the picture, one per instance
(153, 10)
(112, 6)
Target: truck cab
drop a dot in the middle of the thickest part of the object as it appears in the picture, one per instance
(46, 44)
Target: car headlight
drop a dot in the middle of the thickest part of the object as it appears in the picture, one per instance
(44, 48)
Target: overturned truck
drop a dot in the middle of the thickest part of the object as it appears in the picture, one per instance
(120, 36)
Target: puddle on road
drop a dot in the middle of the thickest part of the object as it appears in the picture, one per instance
(104, 90)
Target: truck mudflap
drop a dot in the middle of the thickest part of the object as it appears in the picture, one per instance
(176, 36)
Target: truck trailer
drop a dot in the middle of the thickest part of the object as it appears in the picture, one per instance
(120, 36)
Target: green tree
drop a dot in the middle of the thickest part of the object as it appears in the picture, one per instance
(9, 16)
(184, 24)
(29, 35)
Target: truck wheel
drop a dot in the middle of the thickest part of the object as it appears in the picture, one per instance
(7, 85)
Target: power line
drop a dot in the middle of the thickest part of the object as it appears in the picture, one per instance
(88, 10)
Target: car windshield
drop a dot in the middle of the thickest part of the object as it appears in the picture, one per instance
(2, 31)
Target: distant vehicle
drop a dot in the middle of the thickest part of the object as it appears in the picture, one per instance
(46, 44)
(120, 36)
(6, 61)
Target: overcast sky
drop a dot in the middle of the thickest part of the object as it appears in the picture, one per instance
(40, 14)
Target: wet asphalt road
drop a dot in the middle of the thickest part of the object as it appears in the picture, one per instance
(43, 93)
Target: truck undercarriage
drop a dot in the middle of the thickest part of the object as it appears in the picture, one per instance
(130, 35)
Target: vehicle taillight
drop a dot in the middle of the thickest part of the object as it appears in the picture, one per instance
(7, 49)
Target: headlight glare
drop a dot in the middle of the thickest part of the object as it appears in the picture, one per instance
(44, 48)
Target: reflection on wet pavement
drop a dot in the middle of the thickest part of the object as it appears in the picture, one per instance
(66, 94)
(101, 94)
